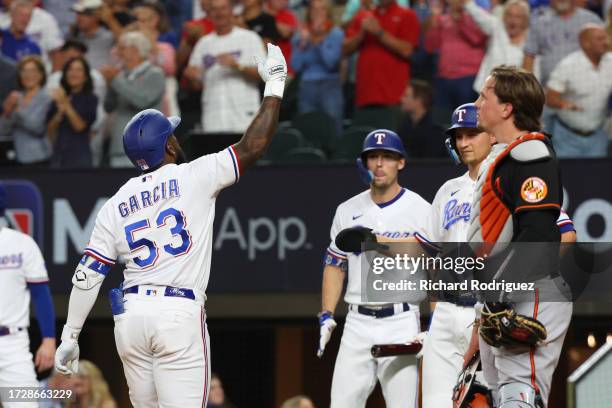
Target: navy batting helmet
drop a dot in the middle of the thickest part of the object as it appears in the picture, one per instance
(145, 137)
(383, 139)
(464, 117)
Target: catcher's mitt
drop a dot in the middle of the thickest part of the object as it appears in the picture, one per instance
(351, 239)
(500, 325)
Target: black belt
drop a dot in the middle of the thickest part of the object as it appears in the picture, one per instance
(5, 331)
(460, 299)
(382, 311)
(573, 130)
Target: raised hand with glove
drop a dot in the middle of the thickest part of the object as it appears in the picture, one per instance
(273, 72)
(327, 324)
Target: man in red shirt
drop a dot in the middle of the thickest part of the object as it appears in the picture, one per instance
(385, 38)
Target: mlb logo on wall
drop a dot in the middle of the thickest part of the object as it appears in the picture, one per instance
(24, 208)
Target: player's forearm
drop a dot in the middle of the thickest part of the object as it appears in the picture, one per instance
(259, 134)
(79, 306)
(333, 281)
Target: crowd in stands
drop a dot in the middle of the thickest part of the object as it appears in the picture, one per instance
(72, 73)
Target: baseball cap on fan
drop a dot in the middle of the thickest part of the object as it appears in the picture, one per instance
(87, 6)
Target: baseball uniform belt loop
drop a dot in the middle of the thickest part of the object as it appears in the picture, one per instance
(381, 311)
(169, 291)
(5, 331)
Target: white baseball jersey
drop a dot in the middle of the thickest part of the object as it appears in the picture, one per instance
(397, 218)
(20, 263)
(161, 223)
(449, 218)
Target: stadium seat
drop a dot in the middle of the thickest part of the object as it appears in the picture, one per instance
(317, 127)
(304, 155)
(285, 139)
(349, 147)
(379, 117)
(441, 116)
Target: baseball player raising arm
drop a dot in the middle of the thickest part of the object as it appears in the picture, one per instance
(160, 223)
(391, 211)
(22, 274)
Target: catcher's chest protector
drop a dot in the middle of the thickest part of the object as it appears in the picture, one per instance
(491, 219)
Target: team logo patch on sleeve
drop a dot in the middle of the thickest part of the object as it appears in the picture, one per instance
(534, 190)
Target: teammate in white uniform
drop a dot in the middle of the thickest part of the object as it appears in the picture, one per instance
(393, 212)
(161, 224)
(449, 343)
(22, 273)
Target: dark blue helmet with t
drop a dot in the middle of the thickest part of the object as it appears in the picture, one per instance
(380, 139)
(145, 137)
(464, 117)
(383, 139)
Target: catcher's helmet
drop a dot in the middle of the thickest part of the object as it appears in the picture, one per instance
(464, 117)
(383, 139)
(145, 137)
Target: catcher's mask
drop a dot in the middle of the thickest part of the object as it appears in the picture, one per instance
(469, 393)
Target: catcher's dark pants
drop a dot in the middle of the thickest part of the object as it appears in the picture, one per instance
(531, 366)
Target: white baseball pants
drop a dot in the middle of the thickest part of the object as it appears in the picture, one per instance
(17, 366)
(356, 371)
(164, 346)
(446, 343)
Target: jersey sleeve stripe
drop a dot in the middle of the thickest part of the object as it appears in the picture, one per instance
(104, 259)
(568, 227)
(336, 253)
(427, 245)
(235, 161)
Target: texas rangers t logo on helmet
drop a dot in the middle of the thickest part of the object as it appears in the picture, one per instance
(460, 113)
(379, 137)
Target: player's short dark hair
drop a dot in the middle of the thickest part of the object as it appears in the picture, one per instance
(422, 90)
(74, 44)
(523, 91)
